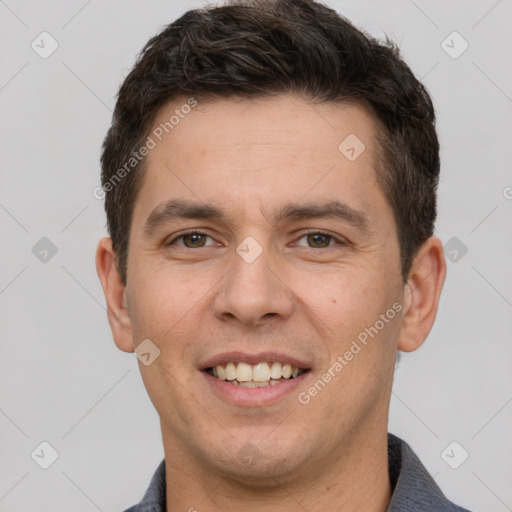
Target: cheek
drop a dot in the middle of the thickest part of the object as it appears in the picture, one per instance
(347, 311)
(346, 298)
(359, 327)
(161, 300)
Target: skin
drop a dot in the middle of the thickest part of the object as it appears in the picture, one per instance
(304, 296)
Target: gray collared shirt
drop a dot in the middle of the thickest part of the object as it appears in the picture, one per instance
(414, 490)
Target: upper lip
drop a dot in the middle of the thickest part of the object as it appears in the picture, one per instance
(254, 358)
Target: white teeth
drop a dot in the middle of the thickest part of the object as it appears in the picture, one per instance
(287, 371)
(260, 372)
(276, 372)
(252, 384)
(244, 372)
(230, 371)
(258, 375)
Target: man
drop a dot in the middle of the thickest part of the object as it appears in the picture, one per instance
(270, 182)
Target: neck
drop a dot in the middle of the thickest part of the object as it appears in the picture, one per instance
(355, 477)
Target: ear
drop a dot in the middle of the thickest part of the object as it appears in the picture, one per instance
(421, 294)
(115, 295)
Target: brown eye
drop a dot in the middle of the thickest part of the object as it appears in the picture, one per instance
(319, 240)
(193, 240)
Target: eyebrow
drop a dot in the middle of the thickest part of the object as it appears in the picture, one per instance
(176, 209)
(326, 210)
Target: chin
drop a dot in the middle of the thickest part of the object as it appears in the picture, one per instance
(260, 461)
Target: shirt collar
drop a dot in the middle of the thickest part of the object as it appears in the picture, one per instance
(413, 487)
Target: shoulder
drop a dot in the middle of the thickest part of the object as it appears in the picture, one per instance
(414, 489)
(154, 499)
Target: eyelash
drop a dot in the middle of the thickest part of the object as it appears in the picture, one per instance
(310, 232)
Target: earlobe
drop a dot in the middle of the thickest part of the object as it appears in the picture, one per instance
(421, 294)
(115, 295)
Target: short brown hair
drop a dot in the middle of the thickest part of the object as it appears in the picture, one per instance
(250, 48)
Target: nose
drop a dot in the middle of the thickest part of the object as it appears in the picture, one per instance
(254, 292)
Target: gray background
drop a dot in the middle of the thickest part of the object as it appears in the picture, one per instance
(63, 381)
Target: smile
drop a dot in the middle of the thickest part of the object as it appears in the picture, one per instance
(255, 375)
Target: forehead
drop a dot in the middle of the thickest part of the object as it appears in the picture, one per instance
(269, 149)
(255, 129)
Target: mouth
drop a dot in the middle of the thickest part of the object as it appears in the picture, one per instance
(258, 375)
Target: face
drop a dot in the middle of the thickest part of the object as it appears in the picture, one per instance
(257, 240)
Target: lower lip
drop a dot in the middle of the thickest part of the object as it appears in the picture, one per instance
(243, 396)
